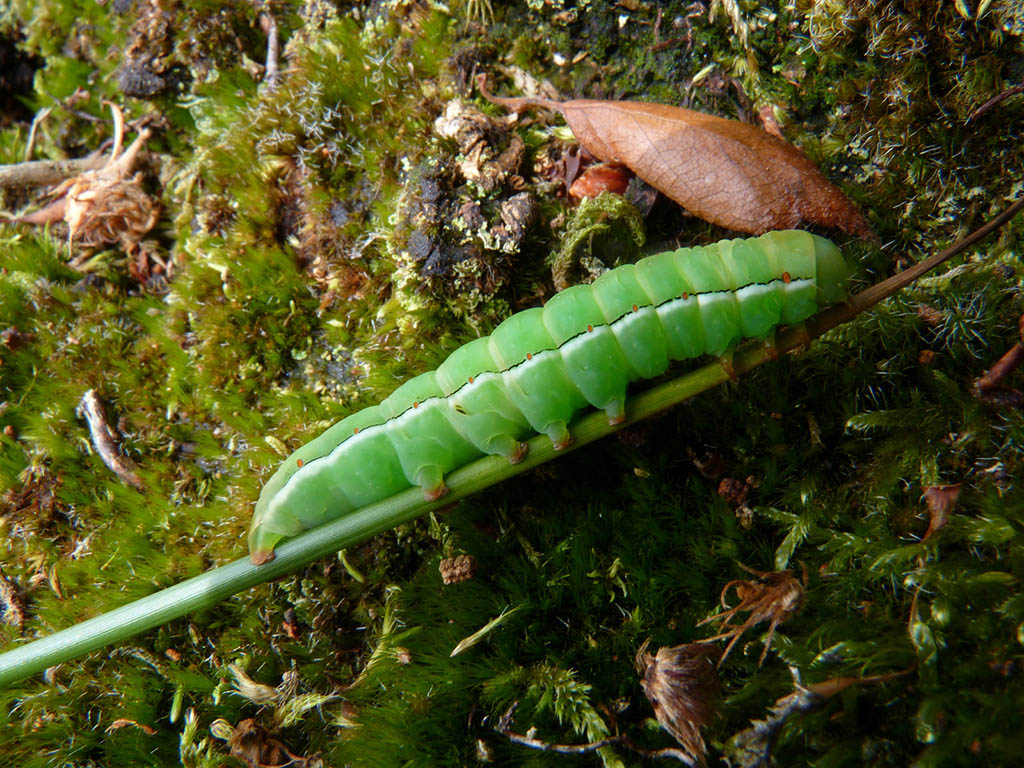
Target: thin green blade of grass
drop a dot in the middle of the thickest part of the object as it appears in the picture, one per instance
(211, 587)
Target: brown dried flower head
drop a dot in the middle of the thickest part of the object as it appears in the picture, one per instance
(252, 744)
(682, 685)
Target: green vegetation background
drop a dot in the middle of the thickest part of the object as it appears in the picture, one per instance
(295, 296)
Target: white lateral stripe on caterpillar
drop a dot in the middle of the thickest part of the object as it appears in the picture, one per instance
(582, 348)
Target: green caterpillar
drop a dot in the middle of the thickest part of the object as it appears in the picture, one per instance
(542, 365)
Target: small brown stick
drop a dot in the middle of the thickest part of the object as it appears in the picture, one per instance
(269, 26)
(36, 173)
(504, 727)
(995, 100)
(103, 440)
(868, 298)
(30, 145)
(752, 748)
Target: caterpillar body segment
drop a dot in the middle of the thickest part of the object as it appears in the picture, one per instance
(541, 366)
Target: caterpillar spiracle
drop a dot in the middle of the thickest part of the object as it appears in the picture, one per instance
(542, 365)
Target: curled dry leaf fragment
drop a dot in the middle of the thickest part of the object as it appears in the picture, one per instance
(123, 722)
(603, 177)
(990, 387)
(771, 595)
(730, 173)
(682, 685)
(941, 500)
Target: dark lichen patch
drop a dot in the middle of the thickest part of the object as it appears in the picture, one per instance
(17, 69)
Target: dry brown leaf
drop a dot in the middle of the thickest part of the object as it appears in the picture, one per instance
(941, 499)
(603, 177)
(730, 173)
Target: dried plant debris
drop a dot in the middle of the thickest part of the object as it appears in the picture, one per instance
(104, 440)
(479, 139)
(730, 173)
(144, 69)
(290, 624)
(991, 389)
(13, 339)
(941, 500)
(457, 569)
(600, 746)
(753, 747)
(252, 743)
(124, 722)
(106, 205)
(682, 686)
(12, 606)
(735, 492)
(773, 596)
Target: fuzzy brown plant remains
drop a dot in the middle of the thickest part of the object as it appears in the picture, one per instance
(105, 205)
(252, 744)
(682, 685)
(773, 596)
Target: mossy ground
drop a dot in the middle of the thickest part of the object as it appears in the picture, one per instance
(295, 298)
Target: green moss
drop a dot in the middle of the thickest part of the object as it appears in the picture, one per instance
(291, 302)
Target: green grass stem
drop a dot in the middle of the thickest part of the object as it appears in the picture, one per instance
(209, 588)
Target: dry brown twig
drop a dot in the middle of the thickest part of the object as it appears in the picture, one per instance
(103, 440)
(752, 748)
(35, 173)
(991, 389)
(269, 26)
(771, 596)
(504, 727)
